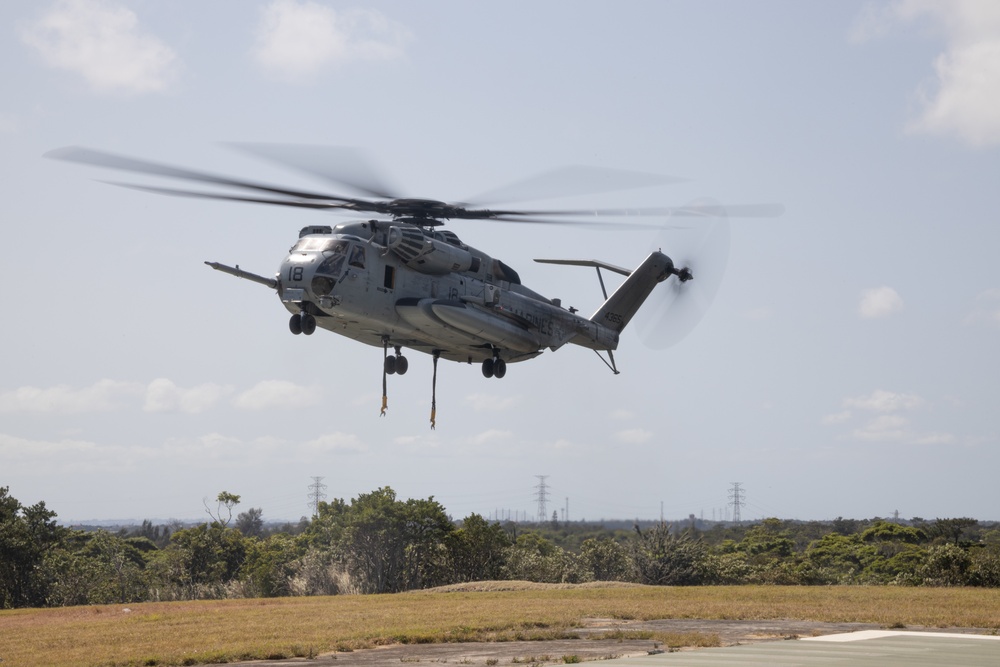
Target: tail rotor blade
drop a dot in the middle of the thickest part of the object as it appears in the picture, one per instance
(676, 307)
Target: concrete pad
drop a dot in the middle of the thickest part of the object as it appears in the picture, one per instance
(868, 648)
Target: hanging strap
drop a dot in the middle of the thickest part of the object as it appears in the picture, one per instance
(434, 382)
(385, 358)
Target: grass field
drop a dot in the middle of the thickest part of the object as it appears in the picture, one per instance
(186, 633)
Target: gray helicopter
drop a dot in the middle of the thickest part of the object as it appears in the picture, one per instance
(404, 282)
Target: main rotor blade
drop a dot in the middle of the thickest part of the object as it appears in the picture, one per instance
(593, 224)
(572, 181)
(339, 165)
(770, 210)
(112, 161)
(173, 192)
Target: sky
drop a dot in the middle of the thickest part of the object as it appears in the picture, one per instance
(849, 365)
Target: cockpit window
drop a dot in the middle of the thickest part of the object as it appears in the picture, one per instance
(331, 266)
(357, 256)
(313, 243)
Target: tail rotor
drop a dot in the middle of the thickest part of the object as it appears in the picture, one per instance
(700, 252)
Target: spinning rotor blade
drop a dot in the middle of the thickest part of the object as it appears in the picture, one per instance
(174, 192)
(571, 182)
(336, 164)
(675, 308)
(691, 210)
(347, 167)
(111, 161)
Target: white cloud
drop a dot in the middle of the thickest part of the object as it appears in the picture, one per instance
(962, 96)
(102, 396)
(894, 428)
(163, 395)
(884, 428)
(879, 302)
(889, 425)
(490, 437)
(491, 403)
(296, 39)
(987, 308)
(634, 436)
(881, 400)
(102, 41)
(68, 455)
(837, 418)
(277, 394)
(335, 442)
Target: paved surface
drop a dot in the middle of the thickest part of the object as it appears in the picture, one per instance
(752, 643)
(870, 648)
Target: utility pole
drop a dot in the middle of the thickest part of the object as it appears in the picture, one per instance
(542, 496)
(736, 499)
(316, 494)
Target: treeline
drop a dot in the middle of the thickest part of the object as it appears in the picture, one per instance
(377, 543)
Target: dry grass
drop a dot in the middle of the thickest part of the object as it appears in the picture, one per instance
(182, 633)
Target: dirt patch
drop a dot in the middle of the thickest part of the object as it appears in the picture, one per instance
(561, 651)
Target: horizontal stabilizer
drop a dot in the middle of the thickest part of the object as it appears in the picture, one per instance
(587, 262)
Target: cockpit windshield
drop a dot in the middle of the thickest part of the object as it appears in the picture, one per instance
(320, 243)
(335, 254)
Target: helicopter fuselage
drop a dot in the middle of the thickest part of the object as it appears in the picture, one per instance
(395, 283)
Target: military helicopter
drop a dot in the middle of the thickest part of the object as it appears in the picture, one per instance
(400, 281)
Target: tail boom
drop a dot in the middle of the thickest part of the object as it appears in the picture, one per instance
(619, 309)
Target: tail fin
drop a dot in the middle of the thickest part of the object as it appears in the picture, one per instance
(619, 309)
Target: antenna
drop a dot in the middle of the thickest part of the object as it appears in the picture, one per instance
(736, 499)
(316, 494)
(542, 496)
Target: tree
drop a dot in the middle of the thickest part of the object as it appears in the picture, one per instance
(661, 558)
(477, 550)
(605, 559)
(27, 535)
(251, 522)
(199, 560)
(953, 529)
(946, 565)
(224, 499)
(389, 546)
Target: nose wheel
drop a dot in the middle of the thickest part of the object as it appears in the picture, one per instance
(302, 323)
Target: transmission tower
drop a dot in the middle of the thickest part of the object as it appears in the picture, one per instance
(542, 496)
(316, 494)
(736, 499)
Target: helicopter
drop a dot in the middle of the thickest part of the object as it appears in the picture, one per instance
(400, 281)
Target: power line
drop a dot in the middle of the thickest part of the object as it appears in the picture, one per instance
(542, 496)
(316, 494)
(736, 499)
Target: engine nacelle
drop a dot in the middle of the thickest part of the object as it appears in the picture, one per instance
(425, 254)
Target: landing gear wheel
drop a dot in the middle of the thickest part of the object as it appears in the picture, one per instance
(295, 324)
(401, 364)
(499, 368)
(308, 324)
(390, 366)
(487, 368)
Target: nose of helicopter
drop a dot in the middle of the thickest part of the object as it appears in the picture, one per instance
(297, 270)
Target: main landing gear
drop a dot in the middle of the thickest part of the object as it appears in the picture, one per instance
(391, 365)
(302, 323)
(396, 364)
(494, 367)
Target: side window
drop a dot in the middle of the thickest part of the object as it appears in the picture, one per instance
(390, 277)
(357, 256)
